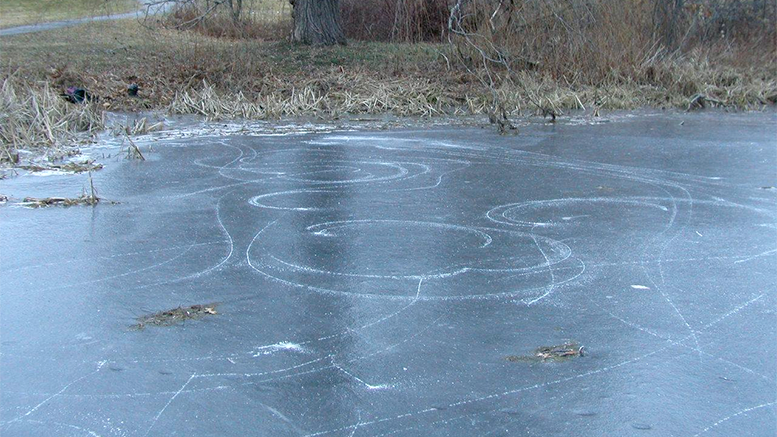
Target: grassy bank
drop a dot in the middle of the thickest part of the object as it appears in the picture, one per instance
(191, 72)
(23, 12)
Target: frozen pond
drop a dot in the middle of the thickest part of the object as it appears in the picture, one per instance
(399, 283)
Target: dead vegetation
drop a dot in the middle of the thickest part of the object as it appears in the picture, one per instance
(364, 93)
(34, 116)
(84, 199)
(330, 95)
(133, 151)
(69, 167)
(556, 353)
(140, 127)
(508, 58)
(653, 52)
(175, 316)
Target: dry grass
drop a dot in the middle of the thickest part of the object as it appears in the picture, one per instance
(676, 83)
(176, 316)
(189, 72)
(34, 202)
(35, 116)
(86, 199)
(69, 167)
(139, 127)
(331, 95)
(545, 354)
(133, 151)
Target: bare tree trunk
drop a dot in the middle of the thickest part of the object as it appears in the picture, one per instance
(317, 22)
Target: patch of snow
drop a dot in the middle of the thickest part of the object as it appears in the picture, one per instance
(282, 346)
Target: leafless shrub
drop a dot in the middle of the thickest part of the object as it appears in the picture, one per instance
(395, 20)
(680, 23)
(604, 43)
(593, 40)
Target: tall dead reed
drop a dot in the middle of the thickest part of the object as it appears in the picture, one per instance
(34, 117)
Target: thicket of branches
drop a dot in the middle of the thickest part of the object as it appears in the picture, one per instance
(396, 20)
(596, 42)
(684, 47)
(672, 23)
(593, 38)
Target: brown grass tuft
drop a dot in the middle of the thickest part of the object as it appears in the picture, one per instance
(34, 116)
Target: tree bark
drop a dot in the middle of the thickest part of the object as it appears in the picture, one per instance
(317, 22)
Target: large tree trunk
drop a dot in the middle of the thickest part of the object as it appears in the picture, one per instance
(317, 22)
